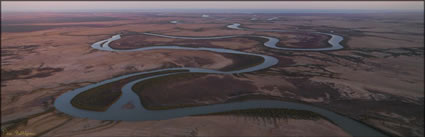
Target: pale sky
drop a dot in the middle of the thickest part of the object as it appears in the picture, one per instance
(284, 5)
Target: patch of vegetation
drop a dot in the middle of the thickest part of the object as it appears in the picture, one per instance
(258, 39)
(13, 124)
(139, 87)
(345, 57)
(28, 73)
(101, 97)
(242, 61)
(395, 52)
(272, 113)
(363, 55)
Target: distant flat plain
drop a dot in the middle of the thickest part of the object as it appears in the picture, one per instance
(376, 79)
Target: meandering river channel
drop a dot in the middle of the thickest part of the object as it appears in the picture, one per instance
(116, 112)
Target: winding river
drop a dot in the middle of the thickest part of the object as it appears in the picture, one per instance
(138, 113)
(174, 22)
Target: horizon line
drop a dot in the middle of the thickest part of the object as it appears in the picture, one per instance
(226, 10)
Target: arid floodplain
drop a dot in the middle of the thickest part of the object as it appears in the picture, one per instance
(212, 74)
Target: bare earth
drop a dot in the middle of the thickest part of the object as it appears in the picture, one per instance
(62, 125)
